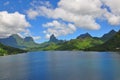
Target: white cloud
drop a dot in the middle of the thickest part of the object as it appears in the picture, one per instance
(81, 7)
(82, 13)
(27, 33)
(12, 23)
(32, 14)
(113, 17)
(40, 2)
(114, 6)
(36, 37)
(58, 28)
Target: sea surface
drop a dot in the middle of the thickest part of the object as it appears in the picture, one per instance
(61, 65)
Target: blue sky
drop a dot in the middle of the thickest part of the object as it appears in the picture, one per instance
(41, 22)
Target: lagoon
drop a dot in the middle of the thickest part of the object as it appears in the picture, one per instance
(61, 65)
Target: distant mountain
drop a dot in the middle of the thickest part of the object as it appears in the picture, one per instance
(108, 35)
(28, 39)
(53, 39)
(6, 50)
(113, 44)
(18, 42)
(79, 44)
(12, 41)
(86, 35)
(82, 42)
(52, 44)
(28, 42)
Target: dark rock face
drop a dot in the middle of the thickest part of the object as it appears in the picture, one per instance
(18, 42)
(108, 35)
(113, 44)
(28, 39)
(53, 38)
(86, 35)
(10, 41)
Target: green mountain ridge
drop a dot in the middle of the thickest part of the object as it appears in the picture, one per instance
(113, 44)
(108, 35)
(18, 42)
(82, 42)
(84, 36)
(79, 44)
(52, 44)
(7, 50)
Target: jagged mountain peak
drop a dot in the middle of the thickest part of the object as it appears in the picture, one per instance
(18, 42)
(112, 31)
(16, 36)
(84, 35)
(53, 38)
(28, 39)
(108, 35)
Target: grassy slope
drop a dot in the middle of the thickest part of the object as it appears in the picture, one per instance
(74, 44)
(6, 50)
(79, 44)
(111, 45)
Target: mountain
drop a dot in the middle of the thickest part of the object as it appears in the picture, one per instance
(52, 44)
(86, 35)
(113, 44)
(6, 50)
(108, 35)
(18, 42)
(28, 42)
(79, 44)
(53, 39)
(12, 41)
(28, 39)
(82, 42)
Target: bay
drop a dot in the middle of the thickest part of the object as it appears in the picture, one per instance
(61, 65)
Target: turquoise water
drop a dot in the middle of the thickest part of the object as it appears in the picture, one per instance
(61, 65)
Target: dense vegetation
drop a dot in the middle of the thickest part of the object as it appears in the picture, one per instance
(74, 44)
(112, 44)
(6, 50)
(108, 42)
(18, 42)
(83, 42)
(79, 44)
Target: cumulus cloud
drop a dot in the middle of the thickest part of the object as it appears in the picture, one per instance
(36, 37)
(82, 13)
(26, 33)
(113, 17)
(58, 28)
(12, 23)
(114, 6)
(40, 2)
(32, 14)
